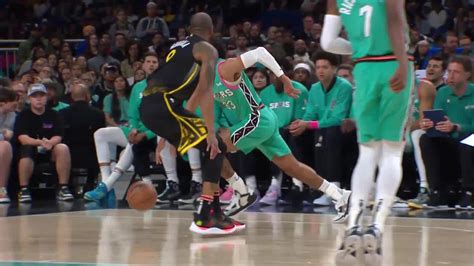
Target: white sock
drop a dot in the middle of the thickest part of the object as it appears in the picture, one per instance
(195, 164)
(331, 190)
(251, 182)
(169, 163)
(362, 179)
(388, 180)
(238, 184)
(276, 180)
(104, 138)
(420, 165)
(123, 164)
(298, 183)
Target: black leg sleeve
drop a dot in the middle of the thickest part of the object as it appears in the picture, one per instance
(141, 156)
(332, 149)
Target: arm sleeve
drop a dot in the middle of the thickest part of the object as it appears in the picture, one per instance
(133, 115)
(330, 40)
(262, 56)
(341, 109)
(311, 112)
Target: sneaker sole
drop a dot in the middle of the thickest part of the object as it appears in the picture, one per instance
(350, 255)
(251, 200)
(86, 197)
(211, 231)
(5, 201)
(186, 201)
(24, 200)
(371, 258)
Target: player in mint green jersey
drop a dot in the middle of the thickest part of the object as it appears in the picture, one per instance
(255, 126)
(377, 30)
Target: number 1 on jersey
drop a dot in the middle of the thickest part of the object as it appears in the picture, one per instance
(366, 11)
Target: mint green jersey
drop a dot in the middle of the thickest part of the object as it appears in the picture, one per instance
(366, 24)
(286, 108)
(241, 100)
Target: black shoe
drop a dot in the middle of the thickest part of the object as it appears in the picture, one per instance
(24, 196)
(466, 202)
(295, 196)
(212, 225)
(434, 201)
(171, 193)
(64, 194)
(194, 193)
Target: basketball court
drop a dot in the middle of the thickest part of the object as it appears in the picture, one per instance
(161, 237)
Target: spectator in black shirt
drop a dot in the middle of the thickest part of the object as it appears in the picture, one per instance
(80, 122)
(39, 133)
(7, 119)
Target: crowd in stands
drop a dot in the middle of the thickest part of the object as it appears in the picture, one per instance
(63, 94)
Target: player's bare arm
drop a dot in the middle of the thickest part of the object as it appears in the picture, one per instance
(396, 26)
(231, 68)
(207, 55)
(330, 40)
(427, 96)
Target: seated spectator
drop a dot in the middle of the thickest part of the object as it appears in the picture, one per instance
(301, 52)
(139, 75)
(421, 54)
(466, 44)
(21, 93)
(345, 71)
(80, 122)
(151, 24)
(66, 79)
(54, 90)
(328, 105)
(76, 70)
(92, 46)
(302, 74)
(241, 46)
(106, 85)
(101, 58)
(254, 39)
(7, 121)
(441, 153)
(45, 74)
(24, 51)
(116, 104)
(39, 133)
(122, 25)
(158, 45)
(134, 54)
(120, 45)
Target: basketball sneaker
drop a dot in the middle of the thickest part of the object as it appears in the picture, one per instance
(272, 195)
(226, 197)
(4, 195)
(97, 194)
(64, 194)
(322, 201)
(342, 207)
(212, 226)
(351, 248)
(421, 199)
(171, 193)
(24, 196)
(466, 202)
(194, 193)
(372, 240)
(239, 203)
(111, 199)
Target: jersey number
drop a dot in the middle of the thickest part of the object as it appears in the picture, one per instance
(366, 11)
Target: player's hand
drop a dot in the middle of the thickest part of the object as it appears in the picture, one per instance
(426, 124)
(138, 138)
(132, 134)
(288, 87)
(212, 146)
(399, 79)
(348, 125)
(445, 126)
(298, 127)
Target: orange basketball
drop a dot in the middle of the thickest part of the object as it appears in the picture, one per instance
(141, 195)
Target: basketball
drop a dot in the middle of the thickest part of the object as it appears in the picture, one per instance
(141, 196)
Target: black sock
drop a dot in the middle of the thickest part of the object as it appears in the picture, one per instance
(216, 204)
(205, 207)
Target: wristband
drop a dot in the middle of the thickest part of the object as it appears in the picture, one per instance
(313, 124)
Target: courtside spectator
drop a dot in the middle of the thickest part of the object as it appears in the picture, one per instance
(54, 92)
(7, 121)
(106, 86)
(302, 74)
(39, 133)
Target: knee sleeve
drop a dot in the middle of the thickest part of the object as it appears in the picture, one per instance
(211, 169)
